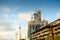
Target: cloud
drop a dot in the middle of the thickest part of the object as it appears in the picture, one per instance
(8, 25)
(11, 23)
(58, 15)
(23, 19)
(25, 16)
(5, 27)
(5, 16)
(6, 36)
(13, 15)
(8, 9)
(8, 22)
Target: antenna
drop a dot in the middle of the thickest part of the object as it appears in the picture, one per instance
(20, 31)
(16, 35)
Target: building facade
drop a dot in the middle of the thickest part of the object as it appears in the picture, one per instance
(49, 32)
(36, 24)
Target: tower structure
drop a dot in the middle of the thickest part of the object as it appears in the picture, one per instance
(35, 24)
(37, 16)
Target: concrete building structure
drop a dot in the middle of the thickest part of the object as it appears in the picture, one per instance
(48, 32)
(22, 39)
(36, 24)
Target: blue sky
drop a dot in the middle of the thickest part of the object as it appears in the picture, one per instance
(15, 12)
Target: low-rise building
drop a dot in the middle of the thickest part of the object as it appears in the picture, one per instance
(22, 39)
(48, 32)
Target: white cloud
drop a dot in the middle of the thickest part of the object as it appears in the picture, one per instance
(58, 15)
(25, 16)
(13, 21)
(13, 24)
(5, 16)
(8, 25)
(13, 15)
(8, 9)
(7, 36)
